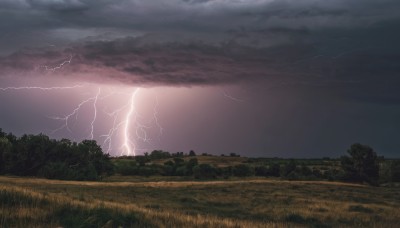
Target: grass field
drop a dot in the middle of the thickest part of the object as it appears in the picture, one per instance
(158, 202)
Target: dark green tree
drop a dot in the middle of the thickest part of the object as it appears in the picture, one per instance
(159, 154)
(98, 159)
(38, 155)
(192, 153)
(190, 165)
(362, 165)
(141, 160)
(5, 148)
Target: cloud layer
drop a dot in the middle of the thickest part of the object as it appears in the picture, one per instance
(189, 42)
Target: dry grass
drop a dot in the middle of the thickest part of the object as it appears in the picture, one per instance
(239, 203)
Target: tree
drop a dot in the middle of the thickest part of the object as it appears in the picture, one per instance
(192, 153)
(190, 165)
(5, 148)
(362, 165)
(141, 160)
(38, 155)
(178, 161)
(159, 154)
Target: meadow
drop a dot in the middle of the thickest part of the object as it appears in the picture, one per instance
(121, 201)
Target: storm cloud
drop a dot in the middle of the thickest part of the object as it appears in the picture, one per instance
(204, 42)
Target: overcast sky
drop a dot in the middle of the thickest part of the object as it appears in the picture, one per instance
(256, 77)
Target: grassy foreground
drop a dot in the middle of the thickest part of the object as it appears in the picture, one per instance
(31, 202)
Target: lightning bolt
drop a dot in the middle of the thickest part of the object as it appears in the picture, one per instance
(40, 88)
(227, 95)
(108, 137)
(95, 113)
(126, 120)
(75, 113)
(52, 69)
(131, 117)
(155, 116)
(128, 144)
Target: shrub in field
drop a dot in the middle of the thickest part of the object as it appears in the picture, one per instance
(306, 171)
(148, 170)
(243, 170)
(395, 171)
(204, 171)
(181, 171)
(167, 170)
(190, 165)
(289, 168)
(333, 174)
(317, 173)
(225, 172)
(126, 167)
(274, 170)
(261, 171)
(59, 170)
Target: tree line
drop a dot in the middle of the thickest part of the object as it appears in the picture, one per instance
(361, 165)
(38, 155)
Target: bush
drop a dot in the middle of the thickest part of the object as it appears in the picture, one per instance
(333, 174)
(61, 171)
(306, 171)
(261, 171)
(242, 170)
(147, 170)
(317, 173)
(225, 172)
(181, 171)
(274, 170)
(126, 167)
(395, 171)
(204, 171)
(289, 168)
(190, 165)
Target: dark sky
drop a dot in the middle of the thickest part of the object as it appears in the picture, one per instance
(265, 78)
